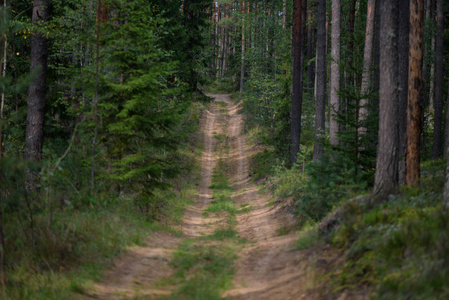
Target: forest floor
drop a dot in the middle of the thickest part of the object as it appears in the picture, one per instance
(266, 262)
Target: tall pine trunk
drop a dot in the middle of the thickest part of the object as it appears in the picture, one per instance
(439, 77)
(403, 65)
(296, 110)
(386, 177)
(318, 148)
(367, 57)
(2, 233)
(284, 14)
(242, 66)
(415, 87)
(310, 55)
(446, 144)
(334, 99)
(34, 132)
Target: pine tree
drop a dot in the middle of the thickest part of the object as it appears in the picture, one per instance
(334, 99)
(415, 87)
(318, 149)
(296, 109)
(34, 137)
(386, 177)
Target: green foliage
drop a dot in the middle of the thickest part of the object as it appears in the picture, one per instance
(266, 105)
(317, 187)
(329, 181)
(357, 138)
(397, 247)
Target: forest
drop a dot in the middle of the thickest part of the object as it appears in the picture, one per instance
(230, 149)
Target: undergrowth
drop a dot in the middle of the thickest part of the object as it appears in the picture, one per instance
(394, 248)
(60, 242)
(390, 248)
(398, 248)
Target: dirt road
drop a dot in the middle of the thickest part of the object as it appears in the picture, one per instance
(267, 268)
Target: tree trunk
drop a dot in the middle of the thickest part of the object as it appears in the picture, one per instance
(295, 126)
(439, 77)
(320, 119)
(4, 61)
(284, 14)
(367, 57)
(334, 100)
(386, 177)
(242, 66)
(403, 65)
(2, 234)
(446, 147)
(426, 104)
(446, 187)
(310, 55)
(34, 133)
(349, 57)
(415, 87)
(303, 42)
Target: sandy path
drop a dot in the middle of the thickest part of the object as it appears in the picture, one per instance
(195, 223)
(267, 268)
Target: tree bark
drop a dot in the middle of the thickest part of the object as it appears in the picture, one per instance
(367, 57)
(403, 65)
(446, 146)
(334, 99)
(415, 87)
(34, 133)
(295, 126)
(310, 55)
(242, 66)
(446, 187)
(4, 61)
(439, 77)
(2, 234)
(284, 14)
(318, 148)
(303, 42)
(386, 177)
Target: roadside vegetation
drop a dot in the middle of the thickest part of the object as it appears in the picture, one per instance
(74, 238)
(389, 248)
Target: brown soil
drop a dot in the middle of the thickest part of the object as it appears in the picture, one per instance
(267, 268)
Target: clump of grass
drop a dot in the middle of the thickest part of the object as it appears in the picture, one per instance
(222, 202)
(222, 104)
(224, 233)
(309, 237)
(220, 180)
(205, 270)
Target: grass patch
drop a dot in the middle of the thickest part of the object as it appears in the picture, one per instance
(397, 248)
(204, 270)
(220, 177)
(222, 104)
(309, 237)
(224, 233)
(74, 251)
